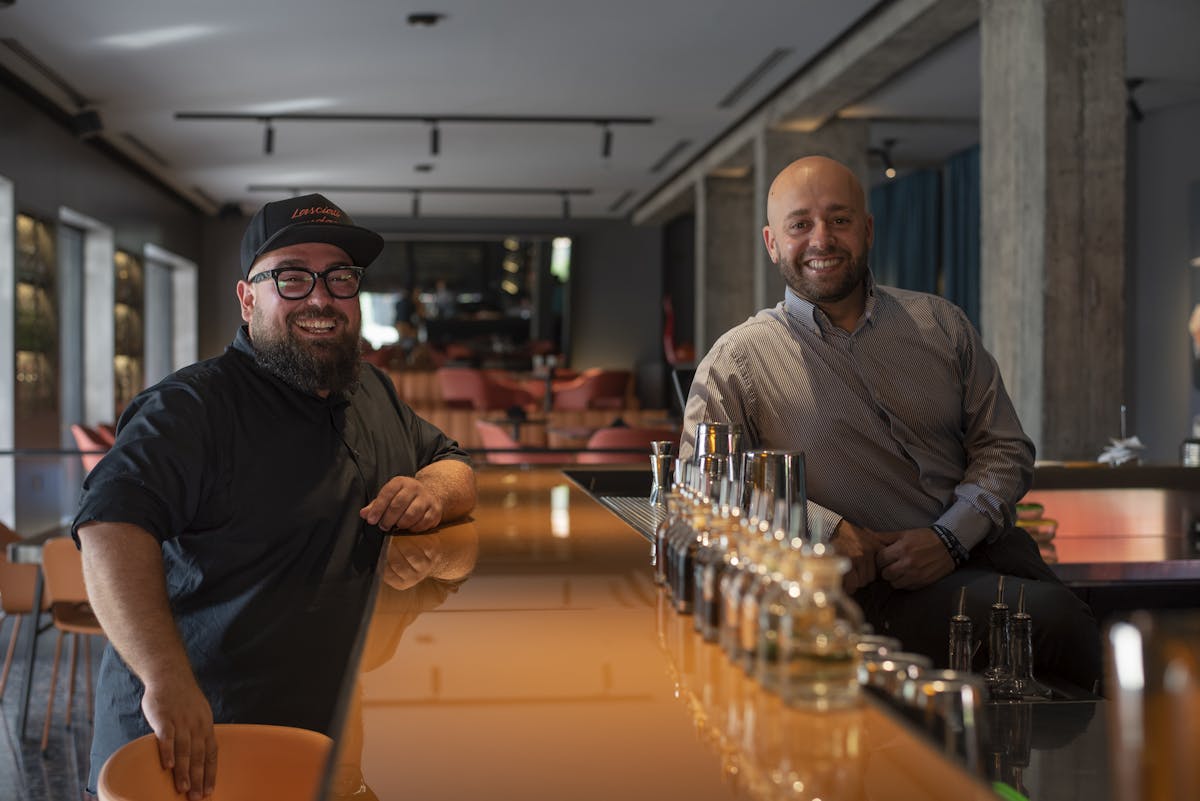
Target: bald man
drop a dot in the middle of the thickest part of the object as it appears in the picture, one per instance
(915, 457)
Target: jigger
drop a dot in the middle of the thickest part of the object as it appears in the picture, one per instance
(660, 471)
(778, 474)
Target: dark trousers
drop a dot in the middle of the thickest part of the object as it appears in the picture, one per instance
(1066, 639)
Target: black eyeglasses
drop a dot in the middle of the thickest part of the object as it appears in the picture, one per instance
(296, 283)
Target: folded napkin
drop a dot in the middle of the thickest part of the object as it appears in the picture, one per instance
(1122, 451)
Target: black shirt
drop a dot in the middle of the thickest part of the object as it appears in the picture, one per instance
(254, 487)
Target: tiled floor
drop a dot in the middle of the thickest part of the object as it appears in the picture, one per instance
(25, 775)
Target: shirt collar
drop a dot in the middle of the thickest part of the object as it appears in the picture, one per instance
(809, 315)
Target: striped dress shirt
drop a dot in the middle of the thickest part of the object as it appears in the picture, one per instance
(904, 422)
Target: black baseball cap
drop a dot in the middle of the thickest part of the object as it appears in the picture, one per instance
(308, 218)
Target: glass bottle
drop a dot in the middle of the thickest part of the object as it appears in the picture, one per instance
(681, 528)
(768, 575)
(962, 649)
(703, 554)
(1189, 449)
(819, 626)
(675, 501)
(999, 635)
(713, 563)
(1021, 685)
(740, 574)
(685, 556)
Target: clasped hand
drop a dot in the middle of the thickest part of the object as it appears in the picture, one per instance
(908, 559)
(404, 504)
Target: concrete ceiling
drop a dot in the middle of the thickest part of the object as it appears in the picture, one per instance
(140, 62)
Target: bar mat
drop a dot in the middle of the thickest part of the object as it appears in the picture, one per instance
(637, 512)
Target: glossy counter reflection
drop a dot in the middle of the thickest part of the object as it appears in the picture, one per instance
(550, 672)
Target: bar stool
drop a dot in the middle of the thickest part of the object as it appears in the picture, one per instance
(62, 567)
(16, 597)
(93, 444)
(254, 762)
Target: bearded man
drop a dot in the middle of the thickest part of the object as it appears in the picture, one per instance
(231, 534)
(914, 454)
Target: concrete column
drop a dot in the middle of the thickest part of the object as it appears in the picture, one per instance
(844, 140)
(726, 235)
(1053, 205)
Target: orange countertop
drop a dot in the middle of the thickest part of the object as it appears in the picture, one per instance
(551, 672)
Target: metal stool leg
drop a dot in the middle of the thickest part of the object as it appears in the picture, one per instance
(8, 657)
(71, 679)
(50, 701)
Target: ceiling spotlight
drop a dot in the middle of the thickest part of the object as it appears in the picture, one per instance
(425, 19)
(423, 167)
(1135, 109)
(606, 148)
(230, 210)
(86, 124)
(885, 155)
(269, 139)
(435, 139)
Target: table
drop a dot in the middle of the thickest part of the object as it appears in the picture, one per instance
(514, 425)
(569, 437)
(554, 672)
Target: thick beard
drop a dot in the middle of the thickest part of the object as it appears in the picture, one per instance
(312, 367)
(793, 276)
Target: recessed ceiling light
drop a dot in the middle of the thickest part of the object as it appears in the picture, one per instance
(158, 37)
(425, 19)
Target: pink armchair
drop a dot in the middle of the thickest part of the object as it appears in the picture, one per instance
(596, 388)
(469, 388)
(634, 439)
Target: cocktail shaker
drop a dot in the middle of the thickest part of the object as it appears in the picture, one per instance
(780, 476)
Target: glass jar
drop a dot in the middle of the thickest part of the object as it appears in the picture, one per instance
(816, 630)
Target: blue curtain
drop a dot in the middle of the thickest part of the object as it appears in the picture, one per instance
(960, 226)
(907, 236)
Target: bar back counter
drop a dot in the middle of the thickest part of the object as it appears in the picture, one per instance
(554, 671)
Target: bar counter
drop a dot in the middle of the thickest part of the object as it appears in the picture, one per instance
(552, 671)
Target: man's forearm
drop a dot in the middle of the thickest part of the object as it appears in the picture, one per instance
(453, 482)
(122, 567)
